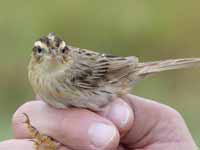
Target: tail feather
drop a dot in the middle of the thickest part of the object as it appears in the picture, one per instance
(147, 68)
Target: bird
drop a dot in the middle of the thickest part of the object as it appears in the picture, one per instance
(66, 76)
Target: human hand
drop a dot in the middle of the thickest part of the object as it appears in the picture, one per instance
(137, 124)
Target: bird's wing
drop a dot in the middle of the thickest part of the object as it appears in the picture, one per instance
(92, 70)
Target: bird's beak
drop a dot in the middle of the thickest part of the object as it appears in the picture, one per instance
(53, 57)
(53, 52)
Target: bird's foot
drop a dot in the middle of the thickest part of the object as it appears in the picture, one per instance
(41, 142)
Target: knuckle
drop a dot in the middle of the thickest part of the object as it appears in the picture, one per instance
(170, 113)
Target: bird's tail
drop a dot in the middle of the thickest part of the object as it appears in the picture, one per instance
(148, 68)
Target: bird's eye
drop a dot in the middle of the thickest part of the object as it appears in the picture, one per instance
(39, 50)
(65, 50)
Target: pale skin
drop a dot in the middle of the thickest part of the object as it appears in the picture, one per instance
(142, 124)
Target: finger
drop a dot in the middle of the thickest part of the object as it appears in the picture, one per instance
(17, 145)
(121, 114)
(76, 128)
(21, 144)
(155, 123)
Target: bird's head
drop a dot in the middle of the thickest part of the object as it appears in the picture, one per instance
(50, 52)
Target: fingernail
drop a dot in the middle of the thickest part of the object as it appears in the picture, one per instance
(102, 134)
(120, 113)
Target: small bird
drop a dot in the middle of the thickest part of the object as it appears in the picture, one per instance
(65, 76)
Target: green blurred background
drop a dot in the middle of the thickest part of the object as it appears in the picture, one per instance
(151, 30)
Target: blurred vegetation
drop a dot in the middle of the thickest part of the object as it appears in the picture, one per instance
(152, 30)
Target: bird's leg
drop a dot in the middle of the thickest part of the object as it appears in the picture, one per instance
(41, 142)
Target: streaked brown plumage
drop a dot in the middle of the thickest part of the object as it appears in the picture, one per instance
(63, 75)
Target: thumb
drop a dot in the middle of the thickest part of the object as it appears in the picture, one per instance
(156, 125)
